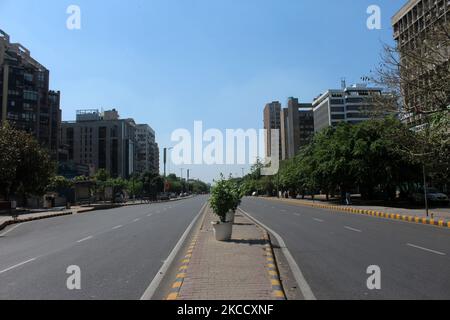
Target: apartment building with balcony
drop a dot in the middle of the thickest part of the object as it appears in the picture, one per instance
(26, 101)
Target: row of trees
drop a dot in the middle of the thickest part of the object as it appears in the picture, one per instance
(382, 156)
(376, 158)
(147, 185)
(26, 169)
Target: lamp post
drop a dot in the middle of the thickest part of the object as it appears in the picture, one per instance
(165, 163)
(427, 209)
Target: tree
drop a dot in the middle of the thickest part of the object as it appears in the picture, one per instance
(152, 184)
(417, 74)
(25, 167)
(365, 156)
(59, 183)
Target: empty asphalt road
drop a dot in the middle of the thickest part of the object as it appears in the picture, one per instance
(333, 251)
(118, 251)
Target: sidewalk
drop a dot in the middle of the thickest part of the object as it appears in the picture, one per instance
(240, 269)
(6, 220)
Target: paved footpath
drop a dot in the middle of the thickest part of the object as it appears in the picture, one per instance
(6, 220)
(239, 269)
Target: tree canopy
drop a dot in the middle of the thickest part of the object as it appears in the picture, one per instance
(25, 167)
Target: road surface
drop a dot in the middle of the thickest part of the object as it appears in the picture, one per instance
(118, 251)
(333, 251)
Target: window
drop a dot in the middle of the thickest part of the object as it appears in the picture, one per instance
(30, 95)
(337, 109)
(337, 101)
(337, 117)
(28, 77)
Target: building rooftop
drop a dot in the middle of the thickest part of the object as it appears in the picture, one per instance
(20, 50)
(403, 10)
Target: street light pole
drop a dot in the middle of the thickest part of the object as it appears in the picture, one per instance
(188, 173)
(165, 163)
(425, 190)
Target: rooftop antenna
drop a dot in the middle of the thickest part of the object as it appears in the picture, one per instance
(343, 83)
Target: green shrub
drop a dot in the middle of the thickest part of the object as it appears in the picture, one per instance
(225, 197)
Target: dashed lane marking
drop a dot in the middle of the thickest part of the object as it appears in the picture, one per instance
(425, 249)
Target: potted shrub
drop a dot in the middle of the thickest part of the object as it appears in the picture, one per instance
(237, 196)
(222, 202)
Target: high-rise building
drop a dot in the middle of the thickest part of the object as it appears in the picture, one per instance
(298, 127)
(349, 104)
(101, 141)
(147, 158)
(26, 102)
(272, 121)
(416, 21)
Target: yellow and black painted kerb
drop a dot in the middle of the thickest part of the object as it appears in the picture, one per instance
(385, 215)
(182, 272)
(272, 270)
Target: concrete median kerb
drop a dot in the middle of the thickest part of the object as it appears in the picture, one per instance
(272, 269)
(182, 272)
(385, 215)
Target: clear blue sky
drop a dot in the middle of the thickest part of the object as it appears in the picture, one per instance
(171, 62)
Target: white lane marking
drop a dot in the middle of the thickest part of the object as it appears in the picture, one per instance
(297, 214)
(17, 265)
(136, 220)
(352, 229)
(117, 227)
(301, 281)
(85, 239)
(150, 214)
(318, 220)
(149, 293)
(10, 229)
(426, 249)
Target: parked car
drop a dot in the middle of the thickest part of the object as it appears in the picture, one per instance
(119, 198)
(164, 196)
(433, 196)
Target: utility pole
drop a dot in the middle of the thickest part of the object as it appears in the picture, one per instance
(427, 209)
(165, 163)
(188, 172)
(181, 180)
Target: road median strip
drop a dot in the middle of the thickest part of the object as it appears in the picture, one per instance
(204, 276)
